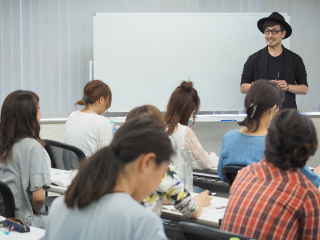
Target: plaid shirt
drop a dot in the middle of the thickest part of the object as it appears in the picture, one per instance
(269, 203)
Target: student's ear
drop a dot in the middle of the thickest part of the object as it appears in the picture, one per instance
(101, 100)
(274, 109)
(147, 162)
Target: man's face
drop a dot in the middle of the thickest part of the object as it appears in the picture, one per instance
(274, 40)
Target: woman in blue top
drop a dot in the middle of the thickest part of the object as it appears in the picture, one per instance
(246, 145)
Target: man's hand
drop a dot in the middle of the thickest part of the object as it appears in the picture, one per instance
(282, 84)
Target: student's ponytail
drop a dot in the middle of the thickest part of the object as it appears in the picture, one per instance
(98, 175)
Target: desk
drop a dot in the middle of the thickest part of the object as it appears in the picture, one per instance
(34, 234)
(207, 217)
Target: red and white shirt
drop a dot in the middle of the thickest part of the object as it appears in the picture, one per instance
(266, 202)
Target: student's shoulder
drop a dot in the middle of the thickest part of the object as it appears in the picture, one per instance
(28, 143)
(231, 133)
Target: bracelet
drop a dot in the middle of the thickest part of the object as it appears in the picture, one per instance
(288, 87)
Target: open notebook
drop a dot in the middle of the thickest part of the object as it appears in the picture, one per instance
(62, 178)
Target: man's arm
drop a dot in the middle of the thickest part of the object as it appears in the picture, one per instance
(247, 75)
(244, 87)
(295, 89)
(298, 89)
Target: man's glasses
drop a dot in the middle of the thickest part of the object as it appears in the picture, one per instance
(274, 32)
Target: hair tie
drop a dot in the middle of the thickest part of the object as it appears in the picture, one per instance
(115, 150)
(251, 110)
(86, 99)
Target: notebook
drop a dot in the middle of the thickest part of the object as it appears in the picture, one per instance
(62, 178)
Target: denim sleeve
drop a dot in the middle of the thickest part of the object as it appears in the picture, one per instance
(220, 163)
(314, 178)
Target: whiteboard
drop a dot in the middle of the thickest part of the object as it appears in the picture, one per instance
(144, 57)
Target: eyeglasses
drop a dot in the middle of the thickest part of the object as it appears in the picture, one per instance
(274, 32)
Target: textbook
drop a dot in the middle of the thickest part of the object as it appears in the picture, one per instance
(62, 178)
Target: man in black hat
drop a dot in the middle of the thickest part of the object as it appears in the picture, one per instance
(275, 62)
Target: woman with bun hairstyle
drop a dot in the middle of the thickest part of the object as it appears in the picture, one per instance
(23, 163)
(272, 199)
(103, 200)
(87, 129)
(246, 145)
(183, 104)
(170, 190)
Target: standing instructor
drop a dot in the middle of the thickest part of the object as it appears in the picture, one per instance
(275, 62)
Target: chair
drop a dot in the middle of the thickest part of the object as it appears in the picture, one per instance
(7, 205)
(63, 156)
(231, 171)
(194, 231)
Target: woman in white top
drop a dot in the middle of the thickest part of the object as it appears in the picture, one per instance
(87, 129)
(184, 103)
(103, 200)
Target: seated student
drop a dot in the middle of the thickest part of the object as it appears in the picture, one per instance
(103, 200)
(272, 199)
(246, 145)
(170, 188)
(87, 129)
(184, 103)
(23, 163)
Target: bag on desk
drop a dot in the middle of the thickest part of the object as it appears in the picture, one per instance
(18, 224)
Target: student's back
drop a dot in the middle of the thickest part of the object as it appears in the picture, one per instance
(103, 199)
(272, 199)
(26, 171)
(114, 216)
(23, 165)
(87, 129)
(246, 145)
(184, 102)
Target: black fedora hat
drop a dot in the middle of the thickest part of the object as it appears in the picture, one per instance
(277, 18)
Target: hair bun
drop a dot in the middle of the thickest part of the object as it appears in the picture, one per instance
(187, 86)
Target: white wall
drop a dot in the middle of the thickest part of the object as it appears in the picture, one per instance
(45, 45)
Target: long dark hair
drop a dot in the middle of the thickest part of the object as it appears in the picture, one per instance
(98, 175)
(291, 139)
(147, 111)
(183, 102)
(261, 96)
(18, 120)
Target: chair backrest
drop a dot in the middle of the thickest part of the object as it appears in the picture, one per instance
(231, 171)
(194, 231)
(63, 156)
(7, 205)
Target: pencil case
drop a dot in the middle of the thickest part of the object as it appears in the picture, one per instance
(18, 224)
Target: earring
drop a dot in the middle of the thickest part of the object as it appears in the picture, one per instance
(99, 112)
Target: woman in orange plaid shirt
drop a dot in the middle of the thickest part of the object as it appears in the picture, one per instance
(272, 199)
